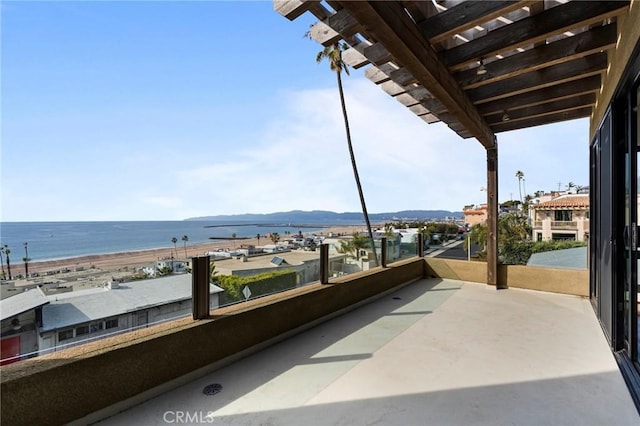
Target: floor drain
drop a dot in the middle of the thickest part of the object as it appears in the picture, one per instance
(212, 389)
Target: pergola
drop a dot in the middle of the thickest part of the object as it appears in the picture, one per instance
(481, 67)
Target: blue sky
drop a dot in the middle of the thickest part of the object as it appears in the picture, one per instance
(168, 110)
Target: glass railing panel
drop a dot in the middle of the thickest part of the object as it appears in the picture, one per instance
(350, 253)
(401, 246)
(245, 278)
(146, 264)
(36, 341)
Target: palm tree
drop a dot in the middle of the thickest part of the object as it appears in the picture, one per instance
(333, 54)
(527, 202)
(174, 240)
(7, 252)
(4, 275)
(184, 240)
(275, 237)
(520, 177)
(360, 243)
(26, 260)
(234, 240)
(212, 273)
(258, 237)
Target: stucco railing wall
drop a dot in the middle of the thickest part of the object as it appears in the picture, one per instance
(565, 281)
(108, 375)
(87, 381)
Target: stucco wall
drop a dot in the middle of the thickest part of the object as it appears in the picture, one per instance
(74, 383)
(77, 382)
(565, 281)
(628, 37)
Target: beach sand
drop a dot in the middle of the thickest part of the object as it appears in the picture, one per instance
(134, 259)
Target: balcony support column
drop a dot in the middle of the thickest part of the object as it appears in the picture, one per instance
(383, 252)
(492, 217)
(324, 263)
(200, 287)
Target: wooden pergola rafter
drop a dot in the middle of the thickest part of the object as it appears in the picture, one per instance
(525, 46)
(480, 67)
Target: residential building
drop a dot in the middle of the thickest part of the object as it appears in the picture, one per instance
(563, 218)
(364, 259)
(35, 322)
(20, 316)
(306, 264)
(475, 214)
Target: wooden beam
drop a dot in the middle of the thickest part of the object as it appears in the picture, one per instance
(391, 26)
(392, 88)
(376, 75)
(377, 54)
(492, 218)
(418, 109)
(292, 9)
(542, 120)
(541, 96)
(403, 77)
(546, 77)
(431, 104)
(564, 50)
(420, 10)
(548, 108)
(335, 27)
(407, 100)
(532, 30)
(464, 16)
(354, 58)
(324, 34)
(430, 118)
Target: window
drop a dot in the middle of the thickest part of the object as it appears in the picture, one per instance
(563, 237)
(95, 327)
(65, 335)
(112, 323)
(538, 236)
(83, 329)
(563, 215)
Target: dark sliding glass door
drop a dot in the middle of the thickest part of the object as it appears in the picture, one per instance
(631, 235)
(602, 228)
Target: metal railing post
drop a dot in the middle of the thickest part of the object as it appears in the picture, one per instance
(324, 263)
(383, 252)
(420, 245)
(200, 287)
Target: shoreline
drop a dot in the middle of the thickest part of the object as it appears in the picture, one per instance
(137, 258)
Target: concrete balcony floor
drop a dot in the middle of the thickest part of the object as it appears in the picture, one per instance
(435, 352)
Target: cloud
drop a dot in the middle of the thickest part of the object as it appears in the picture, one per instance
(294, 156)
(301, 160)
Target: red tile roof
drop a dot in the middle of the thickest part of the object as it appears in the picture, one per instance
(565, 201)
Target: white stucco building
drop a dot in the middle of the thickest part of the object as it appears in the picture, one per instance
(34, 322)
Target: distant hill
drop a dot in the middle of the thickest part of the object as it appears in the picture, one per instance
(329, 217)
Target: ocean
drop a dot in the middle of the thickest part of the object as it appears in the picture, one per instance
(59, 240)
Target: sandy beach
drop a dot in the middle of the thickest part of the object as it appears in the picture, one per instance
(133, 259)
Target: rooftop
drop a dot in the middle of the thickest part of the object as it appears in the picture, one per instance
(569, 200)
(76, 307)
(437, 351)
(22, 302)
(296, 257)
(573, 258)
